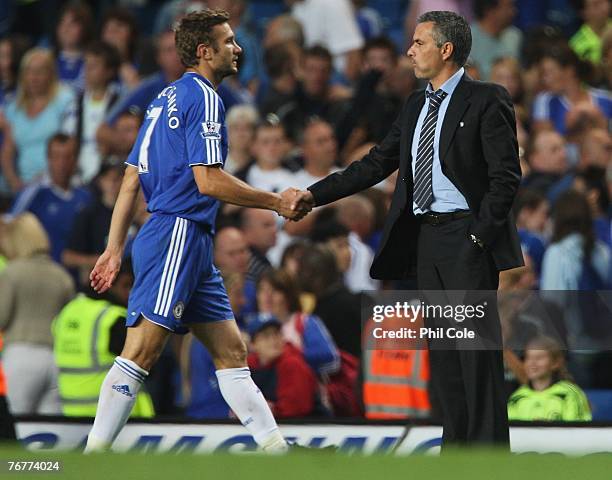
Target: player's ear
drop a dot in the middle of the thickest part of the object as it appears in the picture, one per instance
(204, 51)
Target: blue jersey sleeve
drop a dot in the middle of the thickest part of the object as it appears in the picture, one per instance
(204, 126)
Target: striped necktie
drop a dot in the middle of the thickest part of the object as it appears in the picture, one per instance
(423, 191)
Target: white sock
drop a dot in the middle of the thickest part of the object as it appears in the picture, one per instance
(250, 406)
(117, 397)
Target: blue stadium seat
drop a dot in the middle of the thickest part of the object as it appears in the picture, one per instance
(260, 12)
(392, 11)
(601, 404)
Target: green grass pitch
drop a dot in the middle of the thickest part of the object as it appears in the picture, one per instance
(458, 465)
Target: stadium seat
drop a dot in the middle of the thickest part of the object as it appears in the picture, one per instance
(601, 404)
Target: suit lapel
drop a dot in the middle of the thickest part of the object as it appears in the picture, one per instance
(458, 104)
(410, 127)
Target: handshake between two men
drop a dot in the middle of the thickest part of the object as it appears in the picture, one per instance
(295, 204)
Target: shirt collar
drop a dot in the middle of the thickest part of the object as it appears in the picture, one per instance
(450, 85)
(201, 77)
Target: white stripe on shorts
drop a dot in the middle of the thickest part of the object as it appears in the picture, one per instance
(170, 265)
(176, 269)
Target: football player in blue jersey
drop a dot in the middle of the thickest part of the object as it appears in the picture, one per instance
(177, 160)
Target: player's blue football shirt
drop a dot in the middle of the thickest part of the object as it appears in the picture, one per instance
(183, 127)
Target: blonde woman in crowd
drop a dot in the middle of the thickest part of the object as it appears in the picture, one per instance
(32, 118)
(33, 289)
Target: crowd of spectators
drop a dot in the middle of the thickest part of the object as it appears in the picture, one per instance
(320, 82)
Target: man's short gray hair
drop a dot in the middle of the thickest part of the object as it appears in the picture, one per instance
(450, 27)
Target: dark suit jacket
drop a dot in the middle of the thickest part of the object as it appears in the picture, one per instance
(479, 154)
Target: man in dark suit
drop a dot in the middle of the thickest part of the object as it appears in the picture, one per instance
(450, 219)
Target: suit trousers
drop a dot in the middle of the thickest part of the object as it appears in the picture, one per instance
(467, 384)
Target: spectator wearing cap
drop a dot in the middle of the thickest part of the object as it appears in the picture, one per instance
(279, 370)
(278, 295)
(54, 200)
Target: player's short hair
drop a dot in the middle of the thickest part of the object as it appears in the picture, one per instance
(196, 29)
(450, 27)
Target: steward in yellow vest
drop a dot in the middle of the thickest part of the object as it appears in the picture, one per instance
(88, 334)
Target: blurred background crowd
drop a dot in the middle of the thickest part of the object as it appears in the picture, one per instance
(320, 82)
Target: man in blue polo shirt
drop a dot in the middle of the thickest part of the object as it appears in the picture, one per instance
(53, 200)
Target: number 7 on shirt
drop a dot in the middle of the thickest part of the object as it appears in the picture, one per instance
(143, 155)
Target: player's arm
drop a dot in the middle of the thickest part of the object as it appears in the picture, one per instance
(215, 182)
(107, 266)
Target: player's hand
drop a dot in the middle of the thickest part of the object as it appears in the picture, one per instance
(290, 205)
(105, 271)
(303, 202)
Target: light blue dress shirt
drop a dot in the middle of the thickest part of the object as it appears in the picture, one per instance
(446, 196)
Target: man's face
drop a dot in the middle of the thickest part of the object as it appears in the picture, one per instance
(69, 31)
(62, 162)
(126, 132)
(552, 75)
(342, 251)
(110, 183)
(597, 149)
(97, 74)
(231, 251)
(505, 12)
(596, 11)
(550, 154)
(316, 75)
(380, 59)
(269, 146)
(225, 51)
(426, 56)
(121, 288)
(260, 229)
(268, 343)
(320, 147)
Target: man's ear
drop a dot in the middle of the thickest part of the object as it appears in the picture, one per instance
(204, 51)
(447, 51)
